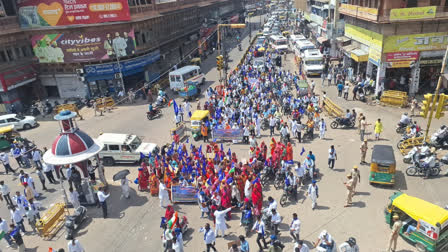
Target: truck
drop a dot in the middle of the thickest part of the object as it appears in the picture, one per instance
(313, 62)
(124, 148)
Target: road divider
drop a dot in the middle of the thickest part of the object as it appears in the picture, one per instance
(331, 108)
(394, 98)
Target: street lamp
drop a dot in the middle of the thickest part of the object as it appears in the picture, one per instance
(116, 51)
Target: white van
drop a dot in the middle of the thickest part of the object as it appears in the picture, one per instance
(19, 122)
(302, 46)
(279, 43)
(187, 75)
(294, 39)
(313, 62)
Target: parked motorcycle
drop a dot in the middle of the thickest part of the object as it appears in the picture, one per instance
(156, 112)
(430, 166)
(72, 222)
(343, 122)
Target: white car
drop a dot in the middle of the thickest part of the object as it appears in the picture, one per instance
(124, 148)
(259, 64)
(19, 122)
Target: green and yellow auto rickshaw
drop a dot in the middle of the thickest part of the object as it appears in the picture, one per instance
(382, 165)
(197, 118)
(424, 224)
(7, 136)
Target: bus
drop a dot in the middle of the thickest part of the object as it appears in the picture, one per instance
(185, 76)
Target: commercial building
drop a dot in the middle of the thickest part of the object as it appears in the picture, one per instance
(400, 43)
(47, 45)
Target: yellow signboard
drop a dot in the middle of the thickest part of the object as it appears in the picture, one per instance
(413, 13)
(360, 58)
(374, 56)
(399, 64)
(416, 42)
(368, 13)
(348, 8)
(370, 38)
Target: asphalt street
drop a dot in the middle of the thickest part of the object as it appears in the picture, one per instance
(134, 223)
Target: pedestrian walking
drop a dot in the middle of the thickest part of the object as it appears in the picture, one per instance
(41, 178)
(17, 217)
(4, 229)
(323, 76)
(363, 149)
(313, 193)
(272, 122)
(260, 228)
(332, 156)
(349, 185)
(340, 87)
(91, 171)
(378, 128)
(359, 122)
(356, 176)
(322, 128)
(355, 91)
(102, 197)
(27, 191)
(15, 153)
(73, 197)
(329, 79)
(5, 161)
(30, 181)
(37, 158)
(17, 237)
(31, 216)
(220, 221)
(276, 219)
(209, 237)
(75, 246)
(395, 232)
(125, 188)
(414, 105)
(20, 201)
(95, 108)
(163, 195)
(5, 193)
(48, 170)
(294, 228)
(364, 125)
(346, 89)
(244, 244)
(300, 172)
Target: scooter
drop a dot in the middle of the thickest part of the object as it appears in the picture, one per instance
(156, 112)
(72, 222)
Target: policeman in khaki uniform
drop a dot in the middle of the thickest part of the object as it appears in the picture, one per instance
(356, 177)
(394, 233)
(363, 152)
(349, 186)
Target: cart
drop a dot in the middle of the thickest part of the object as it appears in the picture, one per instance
(190, 92)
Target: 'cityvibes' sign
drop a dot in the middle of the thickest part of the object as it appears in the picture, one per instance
(82, 47)
(41, 13)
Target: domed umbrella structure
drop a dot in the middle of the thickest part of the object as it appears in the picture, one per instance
(72, 146)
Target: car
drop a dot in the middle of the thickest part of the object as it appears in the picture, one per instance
(124, 148)
(19, 122)
(259, 64)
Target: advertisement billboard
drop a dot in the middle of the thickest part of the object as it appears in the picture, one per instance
(416, 42)
(42, 13)
(82, 47)
(370, 38)
(413, 13)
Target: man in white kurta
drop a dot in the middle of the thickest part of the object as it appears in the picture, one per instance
(163, 195)
(125, 187)
(313, 193)
(221, 220)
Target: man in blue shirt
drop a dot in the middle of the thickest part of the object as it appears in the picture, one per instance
(244, 244)
(340, 88)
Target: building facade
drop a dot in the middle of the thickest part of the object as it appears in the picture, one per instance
(399, 43)
(79, 48)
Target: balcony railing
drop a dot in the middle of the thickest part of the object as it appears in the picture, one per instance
(369, 14)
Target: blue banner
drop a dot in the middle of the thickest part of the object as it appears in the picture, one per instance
(184, 194)
(228, 134)
(128, 67)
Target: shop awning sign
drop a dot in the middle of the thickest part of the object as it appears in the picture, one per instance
(401, 59)
(413, 13)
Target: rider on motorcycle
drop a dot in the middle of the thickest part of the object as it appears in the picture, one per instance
(404, 120)
(150, 108)
(290, 183)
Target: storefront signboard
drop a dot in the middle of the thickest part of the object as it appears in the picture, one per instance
(374, 57)
(41, 13)
(82, 47)
(368, 13)
(402, 56)
(369, 38)
(416, 42)
(349, 9)
(413, 13)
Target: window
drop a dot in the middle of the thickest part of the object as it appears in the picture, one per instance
(11, 120)
(435, 3)
(3, 56)
(125, 148)
(114, 147)
(9, 52)
(2, 121)
(412, 3)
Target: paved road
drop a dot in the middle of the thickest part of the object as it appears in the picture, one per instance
(134, 224)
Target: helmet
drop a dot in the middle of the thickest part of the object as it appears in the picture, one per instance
(351, 241)
(405, 113)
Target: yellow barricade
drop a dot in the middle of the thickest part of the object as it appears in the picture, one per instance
(71, 107)
(394, 98)
(109, 102)
(332, 109)
(51, 221)
(410, 143)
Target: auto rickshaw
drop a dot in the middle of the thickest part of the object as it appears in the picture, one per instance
(424, 224)
(382, 166)
(286, 34)
(196, 61)
(198, 117)
(7, 137)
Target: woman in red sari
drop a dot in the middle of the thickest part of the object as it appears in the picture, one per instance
(289, 152)
(257, 197)
(154, 185)
(226, 197)
(143, 179)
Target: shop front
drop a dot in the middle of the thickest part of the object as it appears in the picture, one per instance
(399, 70)
(105, 79)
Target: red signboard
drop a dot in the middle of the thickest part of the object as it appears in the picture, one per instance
(402, 56)
(87, 46)
(39, 13)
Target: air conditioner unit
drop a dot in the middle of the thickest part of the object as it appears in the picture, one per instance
(118, 76)
(79, 71)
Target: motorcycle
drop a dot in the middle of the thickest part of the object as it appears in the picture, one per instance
(401, 128)
(440, 138)
(156, 112)
(266, 218)
(311, 173)
(72, 222)
(444, 159)
(407, 136)
(162, 101)
(424, 151)
(267, 175)
(285, 139)
(288, 193)
(428, 167)
(279, 181)
(344, 122)
(265, 124)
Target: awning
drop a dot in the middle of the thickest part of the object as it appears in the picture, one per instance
(349, 48)
(343, 39)
(321, 40)
(360, 55)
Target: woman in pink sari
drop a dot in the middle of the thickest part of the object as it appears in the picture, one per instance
(226, 197)
(257, 197)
